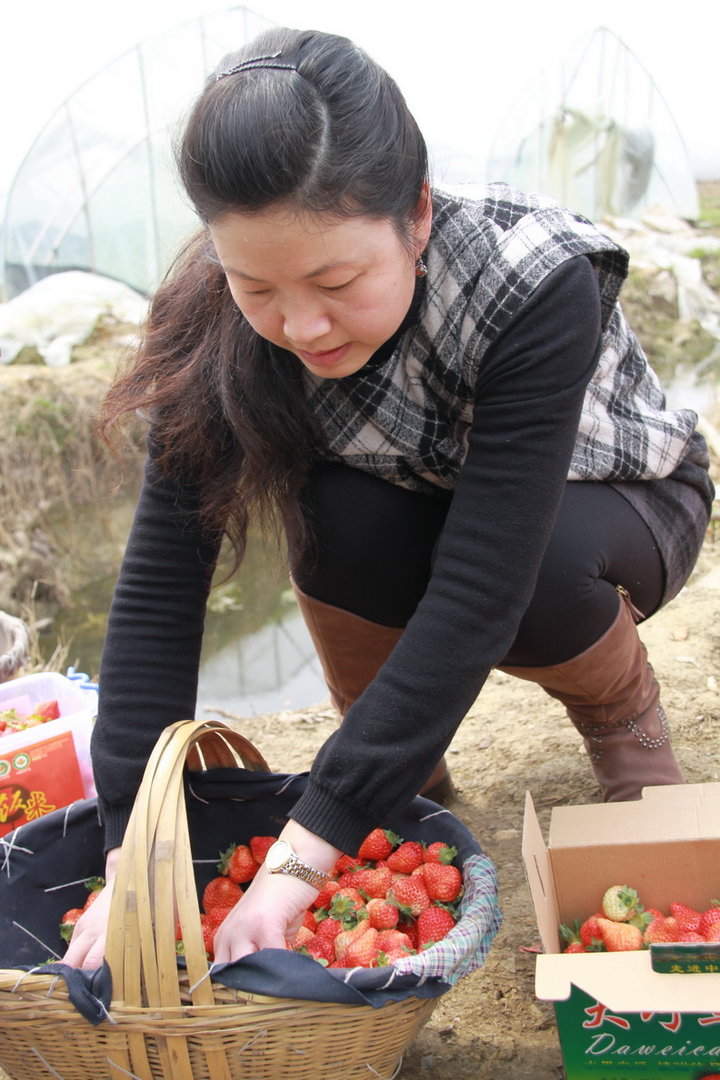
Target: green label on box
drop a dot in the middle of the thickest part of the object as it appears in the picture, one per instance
(598, 1044)
(685, 958)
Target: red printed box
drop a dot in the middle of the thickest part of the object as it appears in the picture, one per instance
(38, 779)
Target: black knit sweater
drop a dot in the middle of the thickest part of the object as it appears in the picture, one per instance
(529, 395)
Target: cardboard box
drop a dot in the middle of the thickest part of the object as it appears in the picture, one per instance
(46, 767)
(635, 1014)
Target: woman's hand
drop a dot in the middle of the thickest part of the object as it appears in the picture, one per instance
(87, 945)
(271, 910)
(268, 915)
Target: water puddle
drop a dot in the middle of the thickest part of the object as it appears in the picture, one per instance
(257, 655)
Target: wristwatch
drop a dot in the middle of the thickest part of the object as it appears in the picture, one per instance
(281, 859)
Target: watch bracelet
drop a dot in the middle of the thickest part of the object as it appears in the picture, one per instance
(306, 873)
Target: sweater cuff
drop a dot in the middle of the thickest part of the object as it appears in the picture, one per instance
(115, 821)
(342, 825)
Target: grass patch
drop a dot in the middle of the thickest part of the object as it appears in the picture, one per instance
(709, 199)
(49, 452)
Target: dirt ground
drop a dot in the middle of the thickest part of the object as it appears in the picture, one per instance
(515, 739)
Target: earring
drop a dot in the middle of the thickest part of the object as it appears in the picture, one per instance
(420, 267)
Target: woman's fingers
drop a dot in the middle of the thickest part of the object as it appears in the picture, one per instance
(267, 916)
(87, 945)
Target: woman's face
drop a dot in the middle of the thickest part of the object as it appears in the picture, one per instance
(329, 290)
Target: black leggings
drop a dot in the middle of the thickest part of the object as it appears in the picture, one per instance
(374, 546)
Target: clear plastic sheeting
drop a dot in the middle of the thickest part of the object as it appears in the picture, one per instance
(97, 190)
(596, 134)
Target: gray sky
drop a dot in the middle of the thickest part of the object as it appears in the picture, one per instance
(442, 53)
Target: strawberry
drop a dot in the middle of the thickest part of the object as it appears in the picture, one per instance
(574, 947)
(405, 858)
(239, 863)
(67, 922)
(589, 932)
(443, 882)
(329, 928)
(373, 881)
(439, 852)
(346, 937)
(346, 903)
(377, 845)
(94, 886)
(709, 917)
(47, 710)
(620, 936)
(325, 895)
(349, 879)
(408, 927)
(303, 935)
(661, 930)
(570, 934)
(321, 949)
(410, 895)
(688, 918)
(712, 933)
(259, 845)
(208, 934)
(691, 936)
(394, 939)
(382, 914)
(220, 892)
(432, 926)
(363, 950)
(393, 945)
(620, 903)
(310, 921)
(345, 863)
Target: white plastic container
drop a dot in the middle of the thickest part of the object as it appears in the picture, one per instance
(77, 702)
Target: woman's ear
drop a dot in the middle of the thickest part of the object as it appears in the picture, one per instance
(422, 223)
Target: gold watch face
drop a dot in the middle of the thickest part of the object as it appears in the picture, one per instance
(278, 855)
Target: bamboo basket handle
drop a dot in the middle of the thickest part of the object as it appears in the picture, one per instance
(222, 747)
(155, 866)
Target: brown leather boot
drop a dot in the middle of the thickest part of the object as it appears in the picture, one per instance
(351, 651)
(612, 697)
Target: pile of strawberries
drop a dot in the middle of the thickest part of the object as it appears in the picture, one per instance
(624, 924)
(396, 898)
(11, 720)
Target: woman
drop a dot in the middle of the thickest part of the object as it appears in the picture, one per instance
(442, 404)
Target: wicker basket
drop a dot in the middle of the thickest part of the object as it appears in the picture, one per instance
(164, 1027)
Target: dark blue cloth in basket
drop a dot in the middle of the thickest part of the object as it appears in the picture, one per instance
(43, 866)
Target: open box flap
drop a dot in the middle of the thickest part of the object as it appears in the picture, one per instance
(625, 983)
(538, 871)
(665, 813)
(682, 791)
(662, 845)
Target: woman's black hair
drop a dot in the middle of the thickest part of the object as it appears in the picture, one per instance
(322, 128)
(319, 125)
